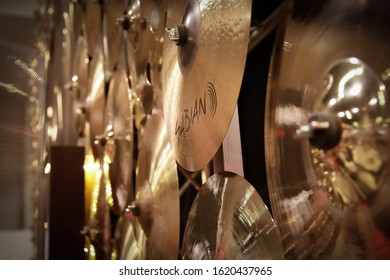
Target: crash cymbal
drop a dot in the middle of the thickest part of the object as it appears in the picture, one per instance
(95, 103)
(229, 220)
(144, 48)
(119, 141)
(93, 24)
(157, 192)
(79, 72)
(112, 31)
(327, 131)
(128, 245)
(202, 74)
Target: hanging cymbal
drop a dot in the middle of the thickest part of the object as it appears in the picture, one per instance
(113, 32)
(95, 103)
(93, 24)
(327, 131)
(144, 48)
(202, 74)
(229, 220)
(119, 141)
(157, 193)
(128, 245)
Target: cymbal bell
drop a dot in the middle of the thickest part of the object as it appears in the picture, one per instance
(200, 85)
(229, 220)
(157, 193)
(327, 131)
(120, 141)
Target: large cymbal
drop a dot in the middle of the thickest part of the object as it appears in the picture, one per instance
(113, 32)
(202, 76)
(327, 131)
(157, 192)
(229, 220)
(144, 48)
(95, 103)
(120, 142)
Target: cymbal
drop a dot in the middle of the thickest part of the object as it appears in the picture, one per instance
(120, 141)
(144, 48)
(128, 246)
(229, 220)
(157, 193)
(113, 32)
(99, 227)
(93, 24)
(95, 103)
(77, 17)
(327, 131)
(202, 74)
(79, 72)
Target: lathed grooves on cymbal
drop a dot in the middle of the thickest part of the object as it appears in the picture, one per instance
(329, 72)
(202, 79)
(120, 141)
(229, 220)
(95, 104)
(144, 48)
(157, 192)
(112, 31)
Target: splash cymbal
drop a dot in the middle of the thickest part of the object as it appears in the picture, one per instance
(229, 220)
(157, 192)
(202, 74)
(119, 141)
(95, 103)
(327, 131)
(113, 32)
(144, 48)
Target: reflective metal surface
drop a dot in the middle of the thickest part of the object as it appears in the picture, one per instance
(79, 72)
(329, 74)
(120, 142)
(202, 77)
(128, 245)
(229, 220)
(144, 48)
(113, 32)
(95, 103)
(157, 191)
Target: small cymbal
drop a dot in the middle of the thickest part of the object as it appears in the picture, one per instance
(120, 141)
(202, 74)
(113, 32)
(327, 131)
(144, 47)
(157, 192)
(95, 103)
(229, 220)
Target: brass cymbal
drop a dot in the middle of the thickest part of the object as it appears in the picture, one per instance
(77, 17)
(79, 72)
(120, 141)
(202, 74)
(327, 131)
(229, 220)
(99, 227)
(93, 24)
(113, 32)
(95, 103)
(157, 192)
(144, 48)
(128, 245)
